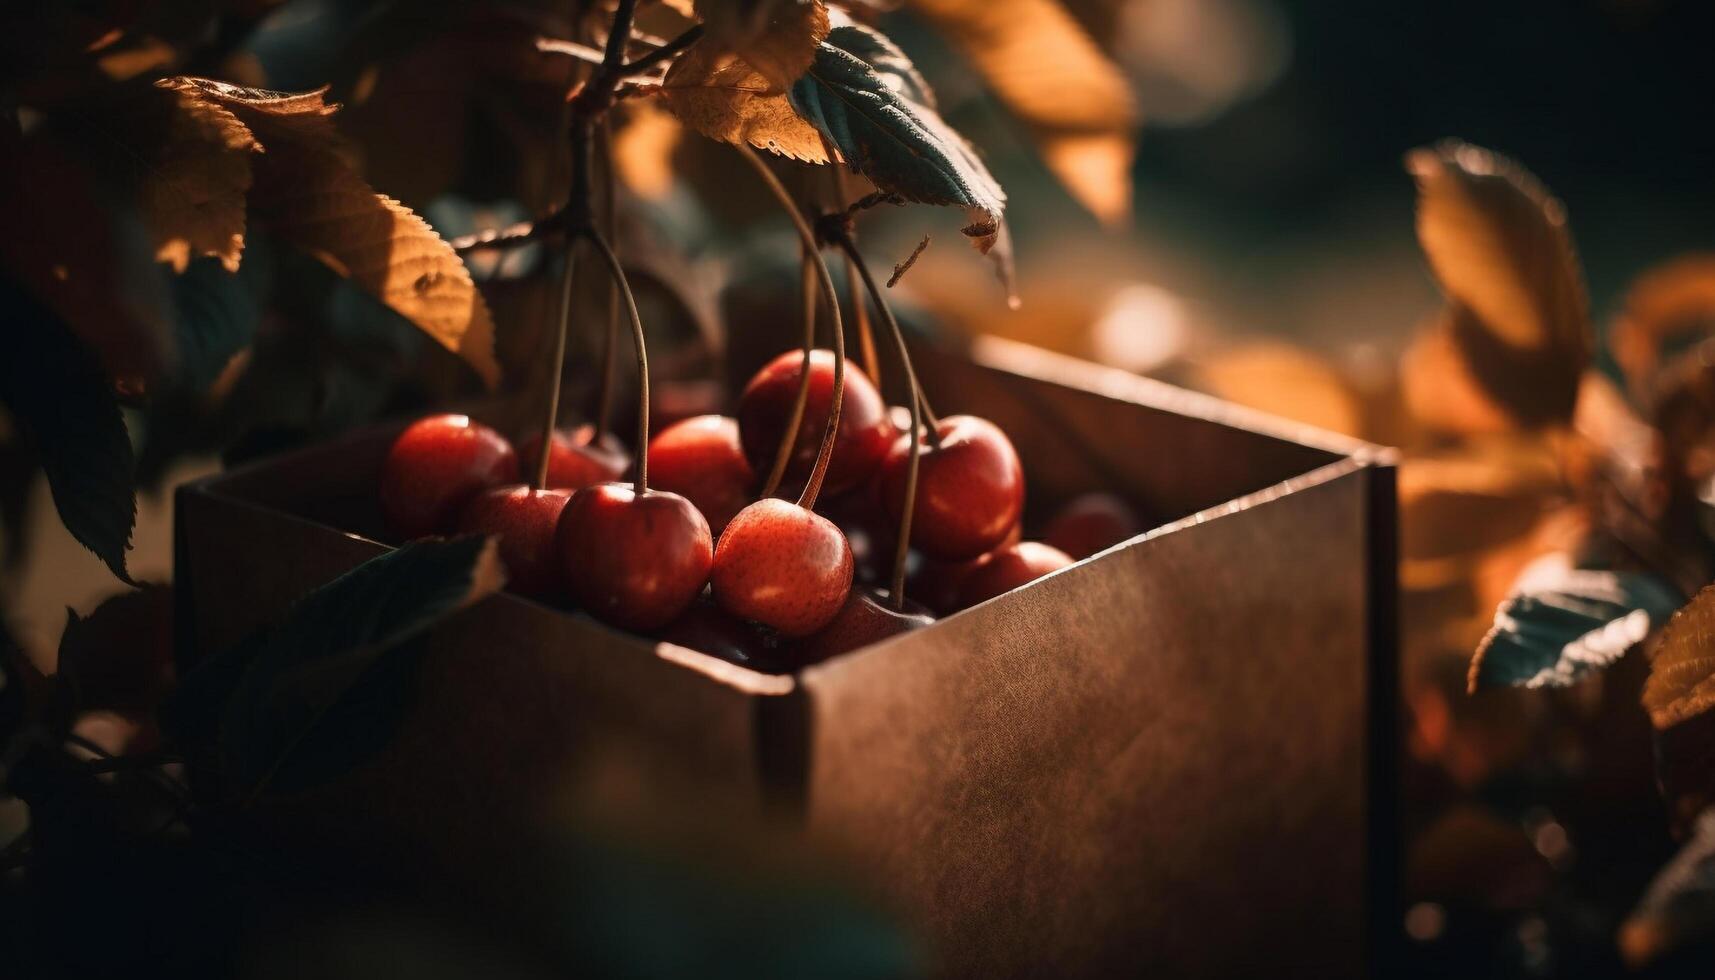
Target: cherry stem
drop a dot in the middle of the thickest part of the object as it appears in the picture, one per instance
(919, 408)
(860, 313)
(557, 365)
(801, 398)
(610, 343)
(618, 274)
(807, 238)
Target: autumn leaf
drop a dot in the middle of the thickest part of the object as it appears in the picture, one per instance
(198, 176)
(868, 100)
(310, 197)
(1667, 310)
(1681, 682)
(1498, 244)
(777, 38)
(721, 96)
(1042, 65)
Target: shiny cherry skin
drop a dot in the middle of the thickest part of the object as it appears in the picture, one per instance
(577, 459)
(707, 628)
(970, 490)
(1008, 568)
(635, 561)
(766, 404)
(867, 617)
(702, 460)
(525, 520)
(1090, 523)
(782, 566)
(434, 467)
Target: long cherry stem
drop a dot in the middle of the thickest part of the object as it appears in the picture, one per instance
(860, 313)
(807, 238)
(918, 410)
(557, 365)
(800, 398)
(618, 275)
(610, 343)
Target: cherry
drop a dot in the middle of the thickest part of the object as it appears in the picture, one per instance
(864, 521)
(783, 566)
(708, 628)
(970, 488)
(1090, 523)
(577, 459)
(766, 405)
(867, 617)
(525, 519)
(1008, 568)
(937, 584)
(633, 560)
(701, 459)
(435, 466)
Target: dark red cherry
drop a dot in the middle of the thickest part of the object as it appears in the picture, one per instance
(867, 617)
(707, 628)
(435, 466)
(701, 460)
(1008, 568)
(782, 566)
(526, 520)
(970, 490)
(869, 531)
(1090, 523)
(633, 561)
(766, 405)
(577, 459)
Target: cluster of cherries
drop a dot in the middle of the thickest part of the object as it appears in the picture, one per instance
(698, 560)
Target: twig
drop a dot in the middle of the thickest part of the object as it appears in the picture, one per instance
(902, 268)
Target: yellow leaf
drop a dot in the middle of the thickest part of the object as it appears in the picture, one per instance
(777, 38)
(310, 196)
(1666, 306)
(1681, 682)
(193, 200)
(1050, 74)
(722, 97)
(1498, 244)
(643, 149)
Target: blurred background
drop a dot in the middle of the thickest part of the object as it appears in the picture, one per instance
(1258, 242)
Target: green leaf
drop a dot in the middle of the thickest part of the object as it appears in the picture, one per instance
(1677, 913)
(868, 100)
(59, 396)
(268, 706)
(1567, 624)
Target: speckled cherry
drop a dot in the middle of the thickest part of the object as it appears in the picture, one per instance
(783, 566)
(702, 460)
(970, 489)
(866, 617)
(865, 431)
(577, 459)
(1008, 568)
(636, 561)
(1090, 523)
(525, 520)
(434, 467)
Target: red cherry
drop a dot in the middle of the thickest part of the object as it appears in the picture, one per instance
(1007, 569)
(435, 466)
(525, 519)
(766, 405)
(702, 460)
(863, 520)
(867, 617)
(782, 566)
(633, 561)
(708, 628)
(1090, 523)
(970, 490)
(577, 459)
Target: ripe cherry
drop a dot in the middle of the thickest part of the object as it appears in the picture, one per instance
(1090, 523)
(434, 467)
(783, 566)
(702, 460)
(1008, 568)
(766, 405)
(867, 617)
(970, 489)
(525, 519)
(707, 628)
(577, 459)
(636, 561)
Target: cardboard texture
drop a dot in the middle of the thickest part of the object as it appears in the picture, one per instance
(1173, 758)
